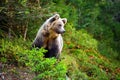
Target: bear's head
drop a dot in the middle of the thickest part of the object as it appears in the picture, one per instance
(57, 24)
(54, 26)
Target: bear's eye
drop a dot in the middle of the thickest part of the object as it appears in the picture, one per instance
(59, 25)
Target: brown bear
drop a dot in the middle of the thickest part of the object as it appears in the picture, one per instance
(49, 36)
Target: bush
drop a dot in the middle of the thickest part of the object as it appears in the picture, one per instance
(83, 56)
(45, 68)
(10, 51)
(78, 38)
(18, 53)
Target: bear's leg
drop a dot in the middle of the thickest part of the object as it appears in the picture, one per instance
(53, 49)
(53, 52)
(38, 43)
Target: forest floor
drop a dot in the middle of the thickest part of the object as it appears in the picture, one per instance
(12, 72)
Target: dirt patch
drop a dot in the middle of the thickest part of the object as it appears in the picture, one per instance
(12, 72)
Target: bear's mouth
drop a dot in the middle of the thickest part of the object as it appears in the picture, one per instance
(60, 32)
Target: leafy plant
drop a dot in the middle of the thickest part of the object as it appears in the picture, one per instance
(45, 68)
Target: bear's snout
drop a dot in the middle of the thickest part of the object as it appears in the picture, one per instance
(60, 31)
(63, 31)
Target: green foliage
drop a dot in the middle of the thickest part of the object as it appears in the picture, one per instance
(99, 19)
(80, 38)
(91, 42)
(10, 51)
(18, 53)
(84, 59)
(45, 68)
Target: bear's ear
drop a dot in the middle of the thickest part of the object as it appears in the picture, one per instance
(54, 17)
(64, 20)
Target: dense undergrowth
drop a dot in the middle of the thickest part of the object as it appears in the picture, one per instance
(80, 59)
(84, 59)
(91, 42)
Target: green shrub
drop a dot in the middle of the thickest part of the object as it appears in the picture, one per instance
(83, 56)
(78, 38)
(45, 68)
(10, 51)
(17, 52)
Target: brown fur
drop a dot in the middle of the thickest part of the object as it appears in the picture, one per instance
(48, 37)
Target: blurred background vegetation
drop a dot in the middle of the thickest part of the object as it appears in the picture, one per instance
(91, 42)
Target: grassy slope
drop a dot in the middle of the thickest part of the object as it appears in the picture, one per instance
(84, 60)
(81, 55)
